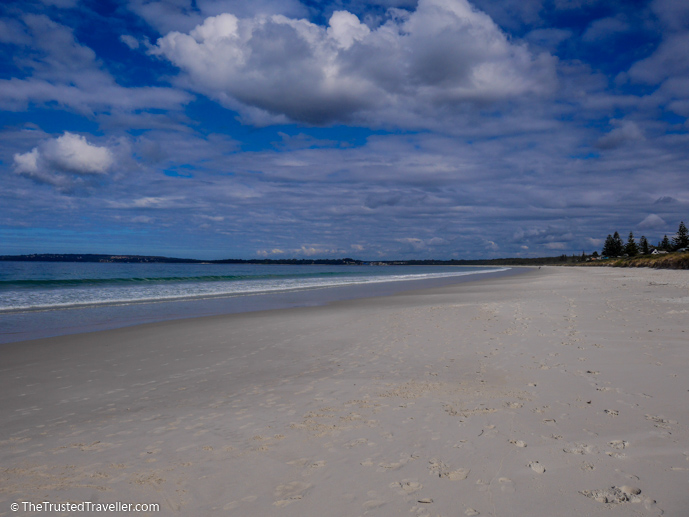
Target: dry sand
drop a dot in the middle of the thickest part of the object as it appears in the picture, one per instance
(559, 392)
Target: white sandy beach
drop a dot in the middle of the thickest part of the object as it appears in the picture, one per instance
(559, 392)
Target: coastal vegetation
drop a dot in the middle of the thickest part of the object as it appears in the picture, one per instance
(667, 254)
(675, 260)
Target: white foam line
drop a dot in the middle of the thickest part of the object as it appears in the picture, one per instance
(306, 284)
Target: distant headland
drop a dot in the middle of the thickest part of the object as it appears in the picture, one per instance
(146, 259)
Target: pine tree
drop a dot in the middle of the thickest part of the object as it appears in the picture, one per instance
(619, 245)
(681, 240)
(665, 244)
(631, 248)
(608, 247)
(643, 245)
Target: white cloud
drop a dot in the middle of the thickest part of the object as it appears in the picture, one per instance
(346, 29)
(72, 153)
(308, 251)
(668, 61)
(274, 251)
(12, 32)
(673, 13)
(68, 154)
(604, 28)
(652, 222)
(414, 66)
(416, 244)
(130, 41)
(184, 15)
(63, 70)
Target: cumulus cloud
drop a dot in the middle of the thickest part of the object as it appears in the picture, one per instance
(69, 155)
(272, 68)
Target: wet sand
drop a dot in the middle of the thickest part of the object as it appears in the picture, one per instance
(562, 391)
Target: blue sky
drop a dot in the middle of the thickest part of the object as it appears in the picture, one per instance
(377, 130)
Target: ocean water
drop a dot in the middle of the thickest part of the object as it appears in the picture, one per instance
(40, 299)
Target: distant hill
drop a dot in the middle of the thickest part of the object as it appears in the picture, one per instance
(139, 259)
(72, 257)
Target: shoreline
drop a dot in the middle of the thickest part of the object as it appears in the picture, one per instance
(52, 322)
(558, 388)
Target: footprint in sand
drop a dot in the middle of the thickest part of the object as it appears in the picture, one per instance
(291, 492)
(518, 443)
(471, 512)
(507, 485)
(406, 486)
(406, 458)
(579, 448)
(618, 444)
(537, 467)
(382, 467)
(660, 422)
(374, 502)
(615, 495)
(420, 511)
(617, 455)
(443, 471)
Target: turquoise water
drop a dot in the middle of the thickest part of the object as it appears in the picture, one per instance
(26, 286)
(50, 298)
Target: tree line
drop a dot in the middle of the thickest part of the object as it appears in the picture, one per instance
(615, 247)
